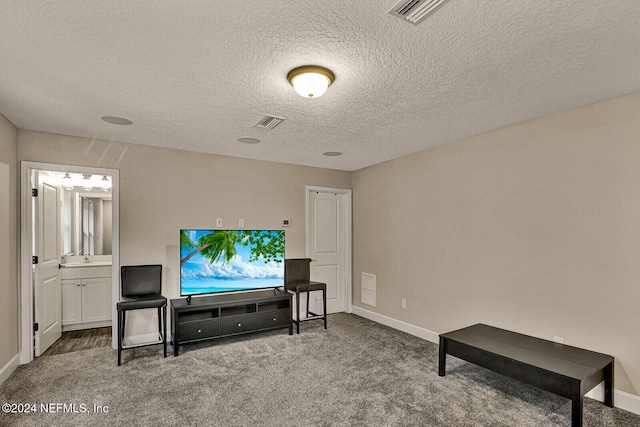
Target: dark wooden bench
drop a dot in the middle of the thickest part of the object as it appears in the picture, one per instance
(568, 371)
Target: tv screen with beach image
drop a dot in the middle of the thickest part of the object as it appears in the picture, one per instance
(213, 261)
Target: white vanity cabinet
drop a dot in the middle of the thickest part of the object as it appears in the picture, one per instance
(86, 297)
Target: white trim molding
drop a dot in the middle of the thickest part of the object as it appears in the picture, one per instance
(9, 368)
(414, 330)
(623, 400)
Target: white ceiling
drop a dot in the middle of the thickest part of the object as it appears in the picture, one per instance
(198, 75)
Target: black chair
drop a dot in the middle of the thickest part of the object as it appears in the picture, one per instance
(297, 279)
(141, 287)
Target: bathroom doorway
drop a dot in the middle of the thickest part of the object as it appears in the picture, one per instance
(84, 248)
(78, 340)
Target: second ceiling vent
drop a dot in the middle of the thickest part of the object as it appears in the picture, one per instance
(269, 122)
(415, 11)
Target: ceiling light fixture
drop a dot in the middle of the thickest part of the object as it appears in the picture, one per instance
(310, 81)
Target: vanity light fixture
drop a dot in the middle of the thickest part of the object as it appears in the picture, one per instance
(105, 184)
(67, 183)
(310, 81)
(86, 182)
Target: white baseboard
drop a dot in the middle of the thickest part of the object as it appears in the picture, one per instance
(9, 368)
(90, 325)
(417, 331)
(626, 401)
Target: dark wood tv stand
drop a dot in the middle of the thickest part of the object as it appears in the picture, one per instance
(216, 316)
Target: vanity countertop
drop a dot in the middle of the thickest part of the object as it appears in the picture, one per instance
(85, 264)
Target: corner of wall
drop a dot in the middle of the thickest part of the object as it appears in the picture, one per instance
(9, 368)
(9, 248)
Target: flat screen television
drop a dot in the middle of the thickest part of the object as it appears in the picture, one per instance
(213, 261)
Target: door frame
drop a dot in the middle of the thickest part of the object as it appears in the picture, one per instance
(345, 196)
(25, 309)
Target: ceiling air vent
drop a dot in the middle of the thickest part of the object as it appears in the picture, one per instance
(269, 122)
(415, 11)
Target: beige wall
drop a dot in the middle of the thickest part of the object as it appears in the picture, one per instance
(163, 190)
(533, 228)
(9, 241)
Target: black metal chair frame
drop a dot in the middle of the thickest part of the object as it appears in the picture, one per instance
(296, 280)
(141, 300)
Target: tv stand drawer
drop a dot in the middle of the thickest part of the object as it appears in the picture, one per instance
(275, 318)
(199, 329)
(237, 324)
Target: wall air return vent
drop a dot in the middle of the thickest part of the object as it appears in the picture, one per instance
(269, 122)
(415, 11)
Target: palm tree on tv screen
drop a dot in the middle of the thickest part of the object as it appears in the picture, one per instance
(221, 244)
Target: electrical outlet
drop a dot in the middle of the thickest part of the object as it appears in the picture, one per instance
(404, 303)
(218, 222)
(559, 340)
(241, 223)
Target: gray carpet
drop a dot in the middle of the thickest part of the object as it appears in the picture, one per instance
(356, 373)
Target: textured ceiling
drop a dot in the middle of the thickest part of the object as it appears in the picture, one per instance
(198, 75)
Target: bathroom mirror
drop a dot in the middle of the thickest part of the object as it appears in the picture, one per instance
(96, 225)
(87, 223)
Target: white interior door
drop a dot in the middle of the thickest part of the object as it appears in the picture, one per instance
(47, 292)
(328, 246)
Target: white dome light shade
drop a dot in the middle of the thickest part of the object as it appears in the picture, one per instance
(67, 183)
(310, 85)
(86, 182)
(310, 81)
(105, 184)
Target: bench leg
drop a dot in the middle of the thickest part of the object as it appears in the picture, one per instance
(442, 359)
(608, 385)
(576, 411)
